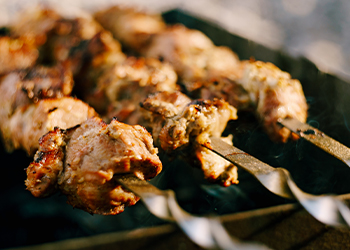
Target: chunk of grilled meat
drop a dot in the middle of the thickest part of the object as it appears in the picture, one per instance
(177, 123)
(17, 53)
(20, 89)
(82, 161)
(27, 123)
(132, 28)
(275, 95)
(120, 89)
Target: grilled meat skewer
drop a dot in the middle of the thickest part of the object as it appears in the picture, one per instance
(82, 161)
(209, 71)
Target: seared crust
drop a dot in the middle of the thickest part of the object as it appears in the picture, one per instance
(43, 172)
(83, 160)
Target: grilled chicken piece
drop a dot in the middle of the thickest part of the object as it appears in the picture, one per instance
(17, 53)
(28, 123)
(120, 89)
(274, 96)
(82, 161)
(177, 123)
(133, 29)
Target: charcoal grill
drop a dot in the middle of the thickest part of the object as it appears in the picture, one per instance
(248, 211)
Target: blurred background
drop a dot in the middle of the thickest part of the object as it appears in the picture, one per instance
(316, 29)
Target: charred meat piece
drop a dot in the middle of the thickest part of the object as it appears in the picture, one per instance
(275, 95)
(120, 89)
(179, 124)
(17, 53)
(132, 28)
(82, 161)
(28, 123)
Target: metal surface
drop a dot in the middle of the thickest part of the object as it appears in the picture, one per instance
(318, 138)
(325, 208)
(205, 231)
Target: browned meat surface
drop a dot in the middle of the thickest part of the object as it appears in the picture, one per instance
(274, 95)
(17, 53)
(177, 123)
(120, 89)
(82, 161)
(130, 27)
(29, 122)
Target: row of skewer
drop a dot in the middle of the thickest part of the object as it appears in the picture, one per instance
(81, 154)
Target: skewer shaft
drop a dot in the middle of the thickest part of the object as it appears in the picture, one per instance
(318, 138)
(207, 232)
(325, 208)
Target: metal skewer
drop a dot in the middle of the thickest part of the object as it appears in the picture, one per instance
(205, 231)
(318, 138)
(325, 208)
